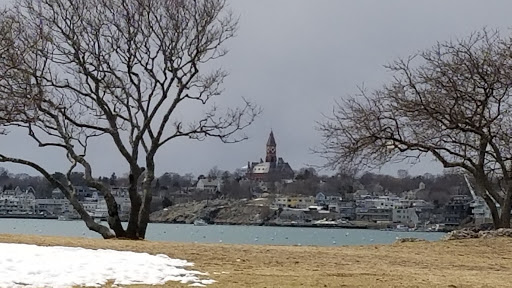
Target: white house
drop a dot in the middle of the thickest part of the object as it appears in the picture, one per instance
(384, 202)
(53, 206)
(17, 201)
(90, 206)
(81, 192)
(408, 216)
(209, 185)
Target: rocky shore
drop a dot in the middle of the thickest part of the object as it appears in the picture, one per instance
(246, 212)
(476, 233)
(239, 212)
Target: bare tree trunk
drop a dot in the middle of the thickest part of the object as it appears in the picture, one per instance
(505, 211)
(505, 221)
(113, 216)
(147, 197)
(495, 213)
(113, 219)
(89, 221)
(132, 229)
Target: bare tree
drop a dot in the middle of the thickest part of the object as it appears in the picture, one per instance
(452, 101)
(119, 70)
(215, 173)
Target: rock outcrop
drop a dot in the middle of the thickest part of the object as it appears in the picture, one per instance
(475, 233)
(215, 212)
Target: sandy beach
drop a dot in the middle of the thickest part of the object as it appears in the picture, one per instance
(467, 263)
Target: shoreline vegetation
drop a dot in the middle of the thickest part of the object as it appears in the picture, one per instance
(419, 264)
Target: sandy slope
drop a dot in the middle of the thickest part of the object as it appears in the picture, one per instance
(468, 263)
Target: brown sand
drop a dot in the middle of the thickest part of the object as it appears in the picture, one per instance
(466, 263)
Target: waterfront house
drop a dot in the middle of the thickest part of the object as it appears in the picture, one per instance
(81, 192)
(53, 206)
(374, 214)
(333, 207)
(90, 206)
(457, 210)
(296, 202)
(280, 202)
(17, 201)
(326, 198)
(408, 216)
(378, 202)
(347, 210)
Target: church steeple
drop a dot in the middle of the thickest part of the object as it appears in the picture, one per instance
(271, 149)
(271, 141)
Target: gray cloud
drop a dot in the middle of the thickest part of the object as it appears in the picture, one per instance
(294, 58)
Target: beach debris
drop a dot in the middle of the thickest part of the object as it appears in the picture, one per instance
(409, 239)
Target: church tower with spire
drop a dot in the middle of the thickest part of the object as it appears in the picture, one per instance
(273, 168)
(271, 149)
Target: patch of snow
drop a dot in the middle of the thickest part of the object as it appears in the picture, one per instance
(23, 265)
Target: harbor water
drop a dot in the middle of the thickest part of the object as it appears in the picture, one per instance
(223, 233)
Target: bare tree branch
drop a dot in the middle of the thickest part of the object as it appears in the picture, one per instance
(118, 69)
(452, 101)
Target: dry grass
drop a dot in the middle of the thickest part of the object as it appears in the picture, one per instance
(468, 263)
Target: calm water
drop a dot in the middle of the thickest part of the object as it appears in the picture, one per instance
(224, 234)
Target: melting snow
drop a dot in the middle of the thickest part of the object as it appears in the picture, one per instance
(24, 265)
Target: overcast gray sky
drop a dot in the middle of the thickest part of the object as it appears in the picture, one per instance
(294, 58)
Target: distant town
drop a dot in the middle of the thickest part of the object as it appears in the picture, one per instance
(278, 194)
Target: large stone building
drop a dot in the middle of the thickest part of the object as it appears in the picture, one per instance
(273, 168)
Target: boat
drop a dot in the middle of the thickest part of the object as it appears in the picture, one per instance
(402, 228)
(325, 222)
(64, 218)
(200, 222)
